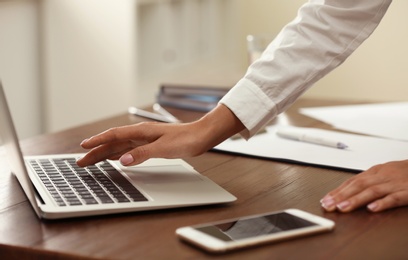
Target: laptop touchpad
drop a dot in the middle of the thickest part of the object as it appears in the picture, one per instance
(162, 174)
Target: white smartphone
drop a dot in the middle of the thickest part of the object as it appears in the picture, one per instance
(253, 230)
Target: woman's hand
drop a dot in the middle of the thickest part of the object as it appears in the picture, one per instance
(135, 144)
(379, 188)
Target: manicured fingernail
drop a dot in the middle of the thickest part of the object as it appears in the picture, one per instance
(327, 202)
(126, 159)
(343, 205)
(84, 141)
(372, 206)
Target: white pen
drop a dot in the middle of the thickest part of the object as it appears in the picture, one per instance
(159, 109)
(299, 136)
(147, 114)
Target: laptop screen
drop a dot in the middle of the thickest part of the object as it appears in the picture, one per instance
(12, 149)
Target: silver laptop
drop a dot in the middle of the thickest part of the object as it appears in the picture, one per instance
(57, 188)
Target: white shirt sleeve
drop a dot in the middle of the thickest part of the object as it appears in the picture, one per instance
(320, 38)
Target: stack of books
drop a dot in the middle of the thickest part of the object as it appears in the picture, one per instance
(195, 98)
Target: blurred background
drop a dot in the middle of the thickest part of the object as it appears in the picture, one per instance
(69, 62)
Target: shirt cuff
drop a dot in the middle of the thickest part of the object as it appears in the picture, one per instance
(245, 98)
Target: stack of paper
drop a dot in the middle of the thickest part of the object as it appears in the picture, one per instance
(389, 120)
(362, 152)
(381, 136)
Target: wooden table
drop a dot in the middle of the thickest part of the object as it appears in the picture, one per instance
(260, 186)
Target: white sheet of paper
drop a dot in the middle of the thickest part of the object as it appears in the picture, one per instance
(362, 153)
(389, 120)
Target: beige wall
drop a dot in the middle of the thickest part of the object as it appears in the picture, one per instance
(377, 71)
(69, 62)
(19, 64)
(88, 60)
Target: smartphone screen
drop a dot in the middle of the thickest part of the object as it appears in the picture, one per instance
(252, 230)
(255, 226)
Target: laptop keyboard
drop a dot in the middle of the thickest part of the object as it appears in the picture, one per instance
(72, 185)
